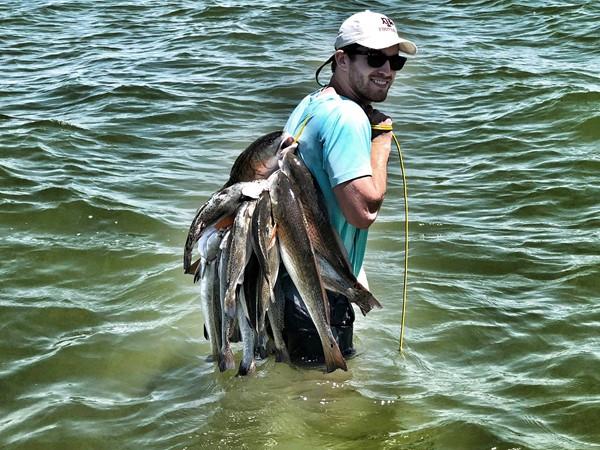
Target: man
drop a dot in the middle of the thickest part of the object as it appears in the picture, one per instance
(348, 161)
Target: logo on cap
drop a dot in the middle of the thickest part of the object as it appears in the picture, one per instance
(387, 21)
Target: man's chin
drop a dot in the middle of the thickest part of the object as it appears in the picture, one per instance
(379, 98)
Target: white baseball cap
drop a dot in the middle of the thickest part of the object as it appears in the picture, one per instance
(372, 30)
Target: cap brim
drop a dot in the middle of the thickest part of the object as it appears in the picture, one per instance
(406, 47)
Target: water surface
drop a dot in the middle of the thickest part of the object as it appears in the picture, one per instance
(118, 119)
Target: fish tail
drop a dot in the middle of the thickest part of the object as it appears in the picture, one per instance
(262, 344)
(333, 356)
(246, 368)
(282, 355)
(226, 361)
(362, 298)
(198, 273)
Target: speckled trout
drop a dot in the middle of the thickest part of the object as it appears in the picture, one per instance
(331, 254)
(299, 259)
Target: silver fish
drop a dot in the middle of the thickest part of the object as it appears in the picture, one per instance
(262, 300)
(208, 289)
(226, 360)
(247, 364)
(298, 257)
(220, 205)
(239, 255)
(275, 314)
(264, 243)
(214, 310)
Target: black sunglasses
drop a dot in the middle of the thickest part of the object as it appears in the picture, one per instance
(376, 59)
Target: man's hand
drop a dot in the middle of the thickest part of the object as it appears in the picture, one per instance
(376, 117)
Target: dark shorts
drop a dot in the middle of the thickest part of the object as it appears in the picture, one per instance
(303, 342)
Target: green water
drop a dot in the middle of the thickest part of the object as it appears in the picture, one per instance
(118, 119)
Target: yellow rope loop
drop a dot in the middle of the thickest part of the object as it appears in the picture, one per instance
(382, 127)
(389, 127)
(405, 279)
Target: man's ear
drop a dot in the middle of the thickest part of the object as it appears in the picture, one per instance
(342, 59)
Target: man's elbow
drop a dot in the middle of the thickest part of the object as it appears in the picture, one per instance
(364, 217)
(363, 222)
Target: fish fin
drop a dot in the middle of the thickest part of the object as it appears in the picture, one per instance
(206, 333)
(272, 238)
(225, 222)
(193, 268)
(333, 356)
(262, 345)
(363, 298)
(282, 355)
(199, 269)
(226, 361)
(246, 369)
(196, 229)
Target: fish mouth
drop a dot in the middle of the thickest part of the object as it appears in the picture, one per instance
(286, 141)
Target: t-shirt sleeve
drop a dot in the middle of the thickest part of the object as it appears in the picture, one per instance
(346, 139)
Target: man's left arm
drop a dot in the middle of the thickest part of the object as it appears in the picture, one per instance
(361, 198)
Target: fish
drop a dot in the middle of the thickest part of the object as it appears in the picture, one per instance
(275, 315)
(220, 205)
(253, 286)
(298, 257)
(214, 309)
(346, 285)
(269, 214)
(332, 257)
(262, 301)
(239, 255)
(259, 159)
(264, 244)
(209, 285)
(226, 360)
(247, 364)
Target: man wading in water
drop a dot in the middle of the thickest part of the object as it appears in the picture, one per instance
(348, 161)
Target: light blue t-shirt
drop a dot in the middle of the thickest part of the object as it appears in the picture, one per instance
(336, 147)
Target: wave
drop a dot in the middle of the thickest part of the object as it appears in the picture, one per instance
(13, 180)
(53, 124)
(75, 94)
(588, 128)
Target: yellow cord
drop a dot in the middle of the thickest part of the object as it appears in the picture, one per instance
(385, 127)
(302, 127)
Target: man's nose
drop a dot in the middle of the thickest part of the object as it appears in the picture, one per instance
(386, 68)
